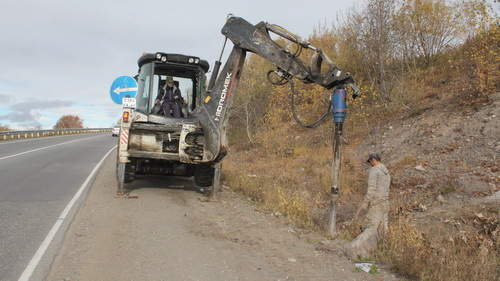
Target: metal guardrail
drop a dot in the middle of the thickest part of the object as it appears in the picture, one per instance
(4, 135)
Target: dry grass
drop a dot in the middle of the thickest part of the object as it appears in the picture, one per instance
(398, 167)
(296, 186)
(440, 252)
(293, 191)
(458, 243)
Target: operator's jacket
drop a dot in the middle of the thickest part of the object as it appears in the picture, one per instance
(169, 95)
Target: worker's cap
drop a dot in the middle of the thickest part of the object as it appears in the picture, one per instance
(373, 155)
(170, 79)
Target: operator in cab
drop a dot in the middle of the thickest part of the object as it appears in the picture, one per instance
(170, 99)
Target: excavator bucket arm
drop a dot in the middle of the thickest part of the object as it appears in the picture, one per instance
(213, 113)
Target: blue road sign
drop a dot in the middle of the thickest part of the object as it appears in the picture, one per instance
(124, 86)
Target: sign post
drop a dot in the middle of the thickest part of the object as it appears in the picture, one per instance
(123, 91)
(123, 87)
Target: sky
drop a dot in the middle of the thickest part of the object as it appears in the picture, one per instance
(60, 57)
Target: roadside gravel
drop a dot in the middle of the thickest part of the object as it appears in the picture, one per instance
(171, 232)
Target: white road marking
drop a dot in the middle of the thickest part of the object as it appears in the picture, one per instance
(28, 271)
(45, 147)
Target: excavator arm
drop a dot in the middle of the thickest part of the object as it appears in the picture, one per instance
(213, 112)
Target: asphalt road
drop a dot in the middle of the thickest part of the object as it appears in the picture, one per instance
(38, 180)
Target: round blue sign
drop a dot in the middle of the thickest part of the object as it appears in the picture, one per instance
(123, 87)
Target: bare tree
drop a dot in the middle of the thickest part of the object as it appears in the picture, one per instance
(368, 43)
(378, 42)
(69, 121)
(426, 27)
(251, 103)
(4, 127)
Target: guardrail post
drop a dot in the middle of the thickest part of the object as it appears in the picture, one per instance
(39, 133)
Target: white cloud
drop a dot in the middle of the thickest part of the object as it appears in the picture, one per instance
(55, 50)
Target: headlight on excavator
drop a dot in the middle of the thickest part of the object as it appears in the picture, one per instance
(194, 60)
(161, 57)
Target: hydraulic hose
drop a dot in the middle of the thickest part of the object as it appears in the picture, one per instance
(316, 124)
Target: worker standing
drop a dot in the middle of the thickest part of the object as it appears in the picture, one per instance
(377, 196)
(376, 202)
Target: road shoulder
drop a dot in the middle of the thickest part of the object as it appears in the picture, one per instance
(170, 232)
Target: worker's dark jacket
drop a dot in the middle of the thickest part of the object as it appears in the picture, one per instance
(169, 94)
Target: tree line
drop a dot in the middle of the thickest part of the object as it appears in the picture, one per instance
(65, 122)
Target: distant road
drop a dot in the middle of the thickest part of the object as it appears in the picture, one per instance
(38, 178)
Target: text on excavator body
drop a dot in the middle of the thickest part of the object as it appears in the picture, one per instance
(223, 96)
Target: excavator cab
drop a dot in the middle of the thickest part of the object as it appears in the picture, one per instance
(152, 143)
(189, 75)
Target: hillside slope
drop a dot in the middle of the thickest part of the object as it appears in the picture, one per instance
(443, 149)
(444, 159)
(445, 193)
